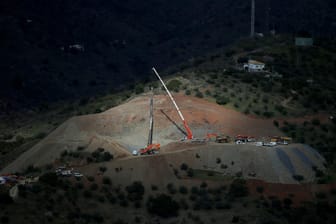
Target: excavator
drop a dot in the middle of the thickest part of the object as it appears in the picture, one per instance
(189, 134)
(150, 148)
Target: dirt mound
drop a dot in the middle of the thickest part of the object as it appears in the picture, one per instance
(125, 128)
(273, 165)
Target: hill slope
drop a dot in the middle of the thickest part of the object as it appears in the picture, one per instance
(122, 40)
(125, 128)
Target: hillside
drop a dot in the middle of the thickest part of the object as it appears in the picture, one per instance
(127, 125)
(186, 181)
(120, 41)
(302, 111)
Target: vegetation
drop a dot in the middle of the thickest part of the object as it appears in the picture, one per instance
(174, 85)
(263, 96)
(238, 188)
(163, 205)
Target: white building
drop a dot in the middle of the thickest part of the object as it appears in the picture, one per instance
(254, 66)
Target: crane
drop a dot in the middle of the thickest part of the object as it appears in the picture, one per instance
(150, 148)
(185, 124)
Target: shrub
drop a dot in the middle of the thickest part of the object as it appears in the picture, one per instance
(107, 156)
(315, 122)
(123, 203)
(64, 153)
(4, 219)
(32, 169)
(171, 188)
(222, 100)
(321, 195)
(139, 88)
(276, 123)
(90, 178)
(5, 199)
(94, 186)
(199, 94)
(174, 85)
(222, 205)
(102, 169)
(190, 172)
(235, 219)
(183, 190)
(80, 148)
(203, 185)
(238, 188)
(154, 188)
(107, 181)
(49, 178)
(224, 166)
(268, 114)
(276, 203)
(298, 177)
(87, 194)
(287, 202)
(260, 189)
(184, 166)
(163, 206)
(135, 191)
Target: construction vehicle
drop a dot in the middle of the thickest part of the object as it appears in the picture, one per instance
(189, 135)
(217, 138)
(242, 139)
(281, 140)
(150, 148)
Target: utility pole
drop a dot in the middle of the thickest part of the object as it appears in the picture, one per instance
(252, 17)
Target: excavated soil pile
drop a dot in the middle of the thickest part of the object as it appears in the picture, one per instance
(275, 165)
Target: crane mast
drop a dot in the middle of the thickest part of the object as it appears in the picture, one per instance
(150, 148)
(151, 121)
(185, 124)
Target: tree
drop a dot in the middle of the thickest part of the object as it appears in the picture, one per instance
(222, 100)
(139, 88)
(107, 156)
(49, 178)
(107, 181)
(183, 190)
(5, 198)
(190, 172)
(135, 191)
(238, 188)
(163, 206)
(174, 85)
(199, 94)
(184, 166)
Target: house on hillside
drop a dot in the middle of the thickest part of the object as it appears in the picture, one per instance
(254, 66)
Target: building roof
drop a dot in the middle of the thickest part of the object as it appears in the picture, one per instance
(255, 62)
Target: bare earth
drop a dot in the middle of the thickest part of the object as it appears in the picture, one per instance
(125, 128)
